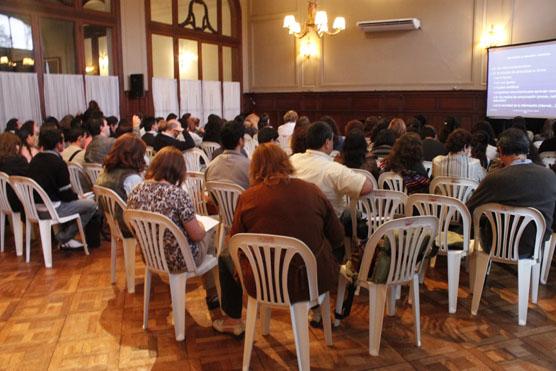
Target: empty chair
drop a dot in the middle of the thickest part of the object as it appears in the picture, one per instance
(195, 186)
(93, 171)
(226, 196)
(445, 208)
(6, 209)
(209, 148)
(150, 230)
(25, 188)
(507, 225)
(113, 206)
(460, 188)
(409, 239)
(391, 181)
(195, 159)
(269, 258)
(381, 206)
(77, 176)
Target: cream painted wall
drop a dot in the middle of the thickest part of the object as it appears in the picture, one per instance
(134, 40)
(444, 54)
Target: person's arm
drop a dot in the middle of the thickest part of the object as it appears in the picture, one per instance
(192, 226)
(63, 184)
(195, 229)
(130, 182)
(187, 143)
(367, 188)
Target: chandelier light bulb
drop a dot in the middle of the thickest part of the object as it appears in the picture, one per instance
(339, 23)
(289, 21)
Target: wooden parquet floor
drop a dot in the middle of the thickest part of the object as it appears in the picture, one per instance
(72, 317)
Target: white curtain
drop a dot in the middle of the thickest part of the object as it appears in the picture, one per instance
(165, 96)
(212, 99)
(19, 97)
(191, 98)
(105, 90)
(232, 99)
(64, 95)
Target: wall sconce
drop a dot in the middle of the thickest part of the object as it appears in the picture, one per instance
(89, 69)
(4, 60)
(187, 59)
(495, 36)
(28, 62)
(308, 49)
(103, 64)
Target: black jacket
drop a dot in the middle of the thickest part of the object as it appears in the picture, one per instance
(14, 165)
(163, 140)
(51, 172)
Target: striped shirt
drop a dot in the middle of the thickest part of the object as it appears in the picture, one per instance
(458, 165)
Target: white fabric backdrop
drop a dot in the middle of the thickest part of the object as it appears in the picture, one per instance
(165, 96)
(212, 99)
(232, 99)
(64, 95)
(105, 90)
(19, 97)
(191, 98)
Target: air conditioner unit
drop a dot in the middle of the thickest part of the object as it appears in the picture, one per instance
(402, 24)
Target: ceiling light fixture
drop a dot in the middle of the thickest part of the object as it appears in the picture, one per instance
(317, 22)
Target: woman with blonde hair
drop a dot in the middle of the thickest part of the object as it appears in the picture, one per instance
(398, 127)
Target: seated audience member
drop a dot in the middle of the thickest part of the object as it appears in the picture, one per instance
(51, 121)
(213, 128)
(285, 131)
(124, 127)
(65, 123)
(190, 125)
(251, 123)
(549, 144)
(491, 152)
(93, 109)
(232, 165)
(12, 163)
(50, 171)
(406, 159)
(12, 126)
(370, 123)
(150, 125)
(520, 122)
(78, 141)
(169, 131)
(354, 154)
(297, 140)
(458, 162)
(113, 125)
(122, 170)
(171, 116)
(397, 125)
(102, 142)
(161, 192)
(479, 145)
(275, 204)
(449, 125)
(28, 135)
(518, 183)
(432, 147)
(333, 179)
(263, 122)
(383, 142)
(547, 131)
(354, 125)
(338, 140)
(414, 125)
(268, 135)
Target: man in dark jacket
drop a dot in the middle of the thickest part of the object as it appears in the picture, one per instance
(167, 137)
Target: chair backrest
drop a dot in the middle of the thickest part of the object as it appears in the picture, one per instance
(26, 188)
(380, 206)
(428, 167)
(150, 230)
(406, 238)
(93, 171)
(77, 174)
(193, 159)
(4, 203)
(250, 145)
(194, 185)
(507, 224)
(150, 153)
(549, 161)
(226, 196)
(209, 148)
(460, 188)
(269, 257)
(109, 201)
(391, 181)
(368, 176)
(445, 209)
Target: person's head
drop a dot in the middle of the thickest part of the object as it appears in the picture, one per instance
(51, 139)
(487, 128)
(267, 134)
(168, 165)
(76, 136)
(27, 138)
(213, 129)
(519, 122)
(406, 153)
(397, 125)
(478, 147)
(51, 121)
(232, 135)
(251, 123)
(93, 106)
(290, 116)
(302, 122)
(320, 137)
(549, 129)
(355, 149)
(9, 145)
(172, 128)
(298, 142)
(128, 152)
(192, 123)
(353, 125)
(264, 121)
(512, 143)
(429, 132)
(113, 124)
(124, 127)
(31, 126)
(415, 125)
(149, 124)
(380, 125)
(171, 116)
(370, 123)
(12, 125)
(270, 165)
(422, 119)
(98, 126)
(459, 140)
(384, 137)
(450, 124)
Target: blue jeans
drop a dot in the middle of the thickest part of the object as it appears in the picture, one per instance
(86, 210)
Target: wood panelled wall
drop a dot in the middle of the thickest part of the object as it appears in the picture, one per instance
(468, 106)
(133, 106)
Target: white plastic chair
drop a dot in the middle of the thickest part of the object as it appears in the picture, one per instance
(549, 161)
(368, 176)
(269, 257)
(209, 148)
(194, 185)
(193, 158)
(93, 171)
(6, 209)
(226, 196)
(381, 206)
(445, 208)
(460, 188)
(149, 230)
(25, 189)
(77, 174)
(548, 254)
(428, 167)
(507, 225)
(109, 201)
(405, 237)
(391, 181)
(250, 145)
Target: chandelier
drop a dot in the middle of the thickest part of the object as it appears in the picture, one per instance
(317, 21)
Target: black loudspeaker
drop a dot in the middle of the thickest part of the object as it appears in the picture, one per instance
(136, 86)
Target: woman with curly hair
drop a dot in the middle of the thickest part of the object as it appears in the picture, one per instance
(406, 159)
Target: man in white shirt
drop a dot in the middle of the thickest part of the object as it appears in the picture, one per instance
(285, 131)
(78, 142)
(316, 166)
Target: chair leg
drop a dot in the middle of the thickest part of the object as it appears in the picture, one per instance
(535, 278)
(146, 298)
(177, 290)
(28, 227)
(113, 252)
(325, 314)
(454, 265)
(265, 319)
(45, 229)
(416, 308)
(18, 233)
(547, 258)
(82, 234)
(129, 261)
(377, 301)
(221, 236)
(481, 266)
(432, 262)
(2, 230)
(342, 283)
(250, 324)
(523, 280)
(300, 322)
(391, 300)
